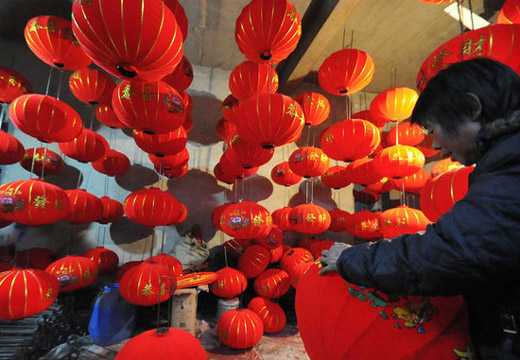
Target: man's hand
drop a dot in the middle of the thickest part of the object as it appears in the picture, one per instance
(329, 257)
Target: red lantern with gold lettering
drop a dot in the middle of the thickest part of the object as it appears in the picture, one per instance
(398, 161)
(240, 328)
(254, 261)
(309, 219)
(309, 162)
(85, 207)
(394, 104)
(402, 220)
(295, 256)
(365, 224)
(73, 272)
(12, 85)
(230, 283)
(182, 77)
(250, 79)
(272, 314)
(112, 163)
(443, 166)
(246, 220)
(282, 174)
(108, 117)
(336, 177)
(11, 149)
(42, 161)
(151, 207)
(91, 86)
(88, 146)
(338, 220)
(112, 210)
(281, 218)
(316, 107)
(106, 259)
(160, 145)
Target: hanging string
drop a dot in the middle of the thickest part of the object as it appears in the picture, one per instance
(312, 191)
(32, 163)
(159, 303)
(308, 134)
(471, 12)
(162, 242)
(172, 291)
(393, 78)
(43, 162)
(459, 9)
(49, 81)
(151, 247)
(92, 113)
(144, 249)
(104, 235)
(59, 85)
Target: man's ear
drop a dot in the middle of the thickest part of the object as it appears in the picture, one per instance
(476, 106)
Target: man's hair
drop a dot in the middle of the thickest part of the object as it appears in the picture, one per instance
(445, 99)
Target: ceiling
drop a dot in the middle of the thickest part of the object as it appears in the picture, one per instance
(398, 34)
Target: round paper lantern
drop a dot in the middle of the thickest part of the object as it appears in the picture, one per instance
(174, 172)
(509, 13)
(316, 247)
(345, 319)
(346, 72)
(84, 207)
(297, 271)
(282, 174)
(398, 161)
(171, 161)
(42, 161)
(338, 220)
(443, 166)
(111, 211)
(268, 30)
(240, 328)
(276, 254)
(152, 107)
(236, 247)
(350, 139)
(180, 16)
(246, 220)
(50, 38)
(367, 115)
(426, 147)
(316, 107)
(147, 284)
(33, 202)
(254, 261)
(168, 261)
(106, 259)
(73, 272)
(12, 85)
(163, 343)
(309, 218)
(272, 240)
(273, 283)
(216, 213)
(361, 172)
(402, 220)
(442, 192)
(295, 256)
(272, 315)
(230, 283)
(124, 268)
(151, 207)
(281, 218)
(139, 39)
(405, 134)
(182, 76)
(37, 258)
(160, 145)
(108, 117)
(225, 128)
(250, 79)
(394, 104)
(245, 154)
(380, 187)
(309, 161)
(230, 109)
(112, 163)
(365, 224)
(45, 118)
(230, 173)
(336, 177)
(270, 120)
(25, 292)
(413, 183)
(91, 86)
(88, 146)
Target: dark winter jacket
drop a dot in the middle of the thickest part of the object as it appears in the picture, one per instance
(473, 250)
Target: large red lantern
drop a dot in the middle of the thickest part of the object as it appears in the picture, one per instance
(281, 218)
(309, 219)
(246, 220)
(346, 319)
(365, 224)
(240, 329)
(336, 177)
(151, 207)
(245, 154)
(309, 161)
(250, 79)
(112, 210)
(137, 39)
(413, 183)
(33, 202)
(268, 30)
(338, 220)
(108, 117)
(12, 85)
(273, 283)
(254, 261)
(350, 139)
(382, 186)
(509, 13)
(91, 86)
(346, 72)
(282, 174)
(42, 161)
(84, 207)
(106, 259)
(394, 104)
(405, 134)
(230, 283)
(402, 220)
(270, 120)
(315, 106)
(295, 256)
(272, 315)
(25, 292)
(182, 77)
(230, 109)
(398, 161)
(272, 240)
(112, 163)
(73, 272)
(160, 145)
(50, 38)
(169, 261)
(88, 146)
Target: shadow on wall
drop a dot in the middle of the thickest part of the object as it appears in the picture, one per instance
(255, 188)
(137, 178)
(207, 110)
(67, 179)
(125, 231)
(313, 190)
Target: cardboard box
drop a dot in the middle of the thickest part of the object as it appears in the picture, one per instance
(184, 310)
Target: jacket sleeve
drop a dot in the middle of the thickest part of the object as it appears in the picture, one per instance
(475, 244)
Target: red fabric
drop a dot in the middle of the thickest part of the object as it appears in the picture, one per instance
(254, 261)
(230, 283)
(509, 13)
(380, 187)
(336, 177)
(246, 220)
(216, 213)
(272, 315)
(38, 258)
(88, 146)
(180, 15)
(182, 214)
(44, 159)
(160, 145)
(12, 85)
(84, 207)
(151, 207)
(366, 115)
(309, 162)
(112, 210)
(250, 79)
(229, 173)
(106, 259)
(112, 163)
(282, 174)
(272, 240)
(225, 128)
(235, 247)
(395, 104)
(91, 86)
(108, 117)
(240, 329)
(309, 218)
(361, 171)
(276, 254)
(443, 166)
(124, 268)
(398, 161)
(171, 161)
(272, 283)
(182, 77)
(73, 272)
(402, 220)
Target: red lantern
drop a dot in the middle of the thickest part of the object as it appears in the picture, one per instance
(25, 292)
(270, 120)
(295, 256)
(182, 76)
(336, 177)
(160, 145)
(12, 85)
(106, 259)
(91, 86)
(297, 271)
(84, 207)
(426, 147)
(38, 258)
(281, 218)
(316, 247)
(236, 247)
(273, 283)
(272, 240)
(366, 197)
(413, 183)
(402, 220)
(108, 117)
(188, 105)
(309, 219)
(124, 268)
(182, 214)
(216, 213)
(45, 118)
(50, 38)
(509, 13)
(272, 314)
(405, 134)
(250, 79)
(139, 39)
(367, 115)
(245, 154)
(276, 254)
(174, 172)
(382, 186)
(230, 173)
(225, 128)
(180, 16)
(365, 224)
(88, 146)
(230, 283)
(246, 220)
(171, 161)
(362, 172)
(196, 279)
(73, 272)
(316, 107)
(112, 210)
(282, 174)
(309, 161)
(443, 166)
(394, 104)
(240, 329)
(152, 107)
(346, 72)
(350, 139)
(151, 207)
(158, 343)
(33, 202)
(42, 161)
(338, 220)
(112, 163)
(268, 30)
(254, 261)
(231, 109)
(147, 284)
(168, 261)
(398, 161)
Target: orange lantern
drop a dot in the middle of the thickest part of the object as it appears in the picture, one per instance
(88, 146)
(350, 139)
(108, 117)
(25, 292)
(112, 163)
(413, 183)
(405, 134)
(182, 76)
(367, 115)
(171, 262)
(42, 161)
(33, 202)
(112, 210)
(139, 39)
(225, 128)
(250, 79)
(230, 283)
(50, 38)
(295, 256)
(240, 329)
(270, 120)
(336, 177)
(180, 16)
(272, 314)
(362, 172)
(254, 261)
(309, 161)
(160, 145)
(281, 218)
(394, 104)
(12, 85)
(309, 218)
(84, 207)
(106, 259)
(316, 107)
(402, 220)
(268, 30)
(509, 13)
(230, 109)
(246, 220)
(91, 86)
(273, 283)
(272, 240)
(245, 154)
(338, 220)
(73, 272)
(426, 147)
(346, 72)
(196, 279)
(398, 161)
(443, 166)
(365, 224)
(282, 174)
(151, 207)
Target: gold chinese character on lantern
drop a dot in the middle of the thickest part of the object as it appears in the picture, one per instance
(257, 220)
(147, 290)
(292, 110)
(310, 218)
(86, 275)
(313, 156)
(438, 60)
(322, 218)
(40, 202)
(468, 48)
(127, 91)
(329, 137)
(292, 14)
(49, 294)
(148, 93)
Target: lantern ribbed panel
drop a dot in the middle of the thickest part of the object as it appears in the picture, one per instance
(272, 240)
(124, 268)
(402, 220)
(336, 177)
(84, 207)
(91, 86)
(281, 218)
(282, 174)
(394, 104)
(112, 210)
(180, 15)
(309, 218)
(298, 271)
(105, 259)
(151, 207)
(246, 154)
(276, 254)
(398, 161)
(315, 106)
(272, 315)
(246, 220)
(273, 283)
(108, 117)
(231, 109)
(230, 283)
(338, 220)
(240, 329)
(182, 77)
(254, 261)
(182, 213)
(365, 224)
(76, 272)
(165, 144)
(112, 163)
(413, 183)
(171, 262)
(44, 159)
(295, 256)
(405, 134)
(12, 85)
(88, 146)
(250, 79)
(236, 247)
(309, 162)
(216, 213)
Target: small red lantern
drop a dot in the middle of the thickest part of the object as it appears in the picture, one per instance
(106, 259)
(151, 207)
(282, 174)
(316, 247)
(171, 161)
(236, 247)
(380, 187)
(88, 146)
(394, 104)
(84, 207)
(230, 109)
(398, 161)
(346, 72)
(73, 272)
(12, 85)
(316, 107)
(443, 166)
(272, 315)
(405, 134)
(309, 219)
(174, 172)
(225, 128)
(281, 218)
(171, 262)
(254, 261)
(240, 329)
(309, 162)
(230, 173)
(338, 220)
(182, 214)
(160, 145)
(276, 254)
(273, 283)
(108, 117)
(250, 79)
(112, 210)
(297, 271)
(413, 183)
(112, 163)
(336, 177)
(365, 224)
(361, 172)
(91, 86)
(182, 76)
(42, 161)
(246, 220)
(402, 220)
(245, 154)
(272, 240)
(509, 13)
(295, 256)
(25, 292)
(230, 283)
